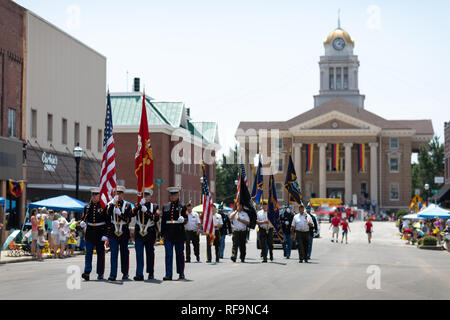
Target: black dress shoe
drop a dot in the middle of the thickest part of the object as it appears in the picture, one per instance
(151, 277)
(233, 259)
(208, 261)
(188, 261)
(85, 276)
(306, 261)
(217, 259)
(167, 279)
(198, 258)
(100, 277)
(264, 261)
(181, 277)
(300, 261)
(243, 260)
(140, 278)
(112, 279)
(125, 277)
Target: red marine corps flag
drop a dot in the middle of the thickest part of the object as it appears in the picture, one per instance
(143, 159)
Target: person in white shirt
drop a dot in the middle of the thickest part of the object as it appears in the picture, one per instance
(192, 228)
(240, 220)
(218, 222)
(300, 225)
(265, 232)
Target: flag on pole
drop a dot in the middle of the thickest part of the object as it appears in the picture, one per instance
(208, 216)
(241, 173)
(273, 214)
(258, 184)
(143, 159)
(108, 171)
(15, 188)
(245, 200)
(291, 184)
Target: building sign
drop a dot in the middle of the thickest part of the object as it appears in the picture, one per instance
(438, 180)
(50, 161)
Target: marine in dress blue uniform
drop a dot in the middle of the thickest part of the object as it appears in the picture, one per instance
(145, 231)
(119, 216)
(173, 219)
(95, 221)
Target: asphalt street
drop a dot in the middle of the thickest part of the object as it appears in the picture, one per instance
(385, 269)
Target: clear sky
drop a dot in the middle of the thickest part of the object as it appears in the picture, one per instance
(257, 60)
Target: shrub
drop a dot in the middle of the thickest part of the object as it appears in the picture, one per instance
(400, 213)
(420, 242)
(429, 241)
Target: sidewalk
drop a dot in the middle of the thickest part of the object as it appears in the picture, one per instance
(5, 259)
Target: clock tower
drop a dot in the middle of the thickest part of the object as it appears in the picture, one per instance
(339, 70)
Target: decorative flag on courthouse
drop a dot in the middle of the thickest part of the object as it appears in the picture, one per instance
(309, 156)
(361, 157)
(208, 219)
(15, 188)
(108, 171)
(291, 184)
(335, 156)
(273, 214)
(143, 159)
(258, 184)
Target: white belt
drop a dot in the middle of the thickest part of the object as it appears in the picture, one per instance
(95, 224)
(302, 230)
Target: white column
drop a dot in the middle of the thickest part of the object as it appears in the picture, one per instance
(322, 170)
(298, 161)
(373, 172)
(348, 172)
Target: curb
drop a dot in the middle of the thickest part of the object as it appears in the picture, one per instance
(436, 248)
(29, 258)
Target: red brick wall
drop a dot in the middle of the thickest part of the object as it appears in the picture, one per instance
(11, 64)
(164, 168)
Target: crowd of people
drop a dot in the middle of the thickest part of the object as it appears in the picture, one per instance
(414, 230)
(54, 234)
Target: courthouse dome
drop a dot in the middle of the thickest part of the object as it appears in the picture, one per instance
(339, 33)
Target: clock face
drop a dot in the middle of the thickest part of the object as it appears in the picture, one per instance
(338, 43)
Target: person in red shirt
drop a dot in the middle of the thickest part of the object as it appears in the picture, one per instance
(335, 224)
(345, 230)
(369, 230)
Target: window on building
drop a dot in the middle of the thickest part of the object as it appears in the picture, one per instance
(393, 143)
(100, 140)
(394, 192)
(11, 122)
(49, 127)
(33, 123)
(64, 131)
(76, 134)
(88, 137)
(341, 165)
(393, 164)
(345, 78)
(331, 79)
(280, 143)
(280, 165)
(363, 189)
(338, 78)
(280, 191)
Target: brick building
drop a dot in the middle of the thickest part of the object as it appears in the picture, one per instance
(340, 132)
(444, 194)
(12, 135)
(174, 136)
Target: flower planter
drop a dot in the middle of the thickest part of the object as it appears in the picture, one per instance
(439, 248)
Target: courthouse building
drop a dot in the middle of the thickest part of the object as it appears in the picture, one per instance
(339, 148)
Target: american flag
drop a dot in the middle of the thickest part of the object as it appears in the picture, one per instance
(208, 221)
(108, 176)
(241, 173)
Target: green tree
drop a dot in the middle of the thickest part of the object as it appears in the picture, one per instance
(226, 174)
(430, 164)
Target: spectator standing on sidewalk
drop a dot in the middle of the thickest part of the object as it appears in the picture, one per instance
(34, 231)
(40, 243)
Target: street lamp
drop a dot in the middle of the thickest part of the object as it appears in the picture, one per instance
(427, 187)
(78, 154)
